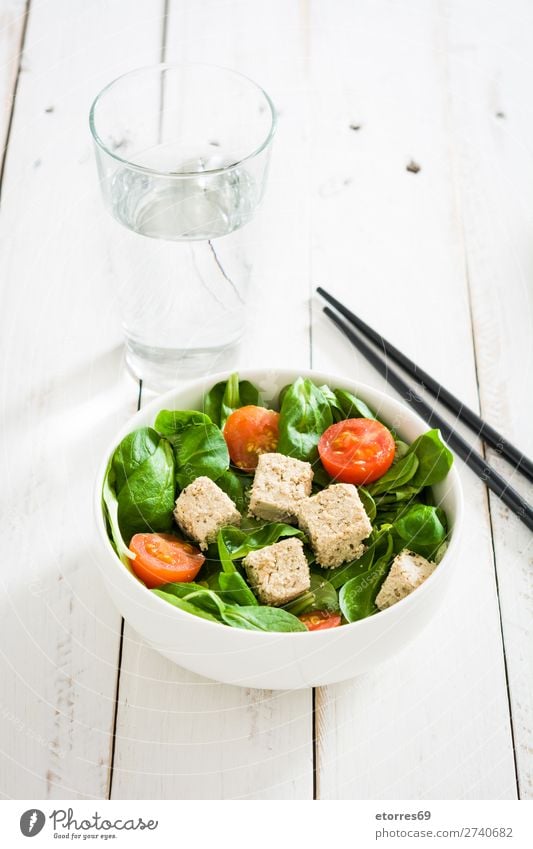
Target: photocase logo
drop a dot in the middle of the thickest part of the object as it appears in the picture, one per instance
(32, 822)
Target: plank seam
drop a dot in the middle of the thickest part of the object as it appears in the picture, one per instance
(164, 31)
(115, 712)
(119, 670)
(25, 16)
(314, 719)
(314, 723)
(456, 178)
(491, 523)
(162, 58)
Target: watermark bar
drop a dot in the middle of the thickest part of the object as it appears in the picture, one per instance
(267, 824)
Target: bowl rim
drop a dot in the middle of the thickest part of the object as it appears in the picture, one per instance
(251, 373)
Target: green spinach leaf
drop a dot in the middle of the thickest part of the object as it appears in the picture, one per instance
(182, 589)
(368, 502)
(200, 449)
(146, 501)
(321, 479)
(421, 529)
(170, 423)
(199, 446)
(426, 462)
(401, 449)
(141, 474)
(352, 407)
(110, 507)
(262, 619)
(440, 552)
(345, 405)
(357, 597)
(227, 396)
(304, 416)
(235, 589)
(237, 486)
(434, 459)
(330, 397)
(399, 474)
(398, 496)
(230, 581)
(320, 596)
(134, 449)
(224, 554)
(205, 603)
(186, 606)
(239, 542)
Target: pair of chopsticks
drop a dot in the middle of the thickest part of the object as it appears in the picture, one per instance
(494, 481)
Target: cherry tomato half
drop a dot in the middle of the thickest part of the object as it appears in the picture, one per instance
(249, 432)
(319, 620)
(356, 450)
(163, 559)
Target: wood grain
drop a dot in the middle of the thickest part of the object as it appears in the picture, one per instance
(178, 735)
(401, 179)
(12, 27)
(67, 392)
(433, 722)
(490, 66)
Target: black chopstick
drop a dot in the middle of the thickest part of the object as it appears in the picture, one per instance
(495, 482)
(520, 462)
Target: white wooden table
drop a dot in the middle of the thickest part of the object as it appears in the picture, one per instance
(441, 261)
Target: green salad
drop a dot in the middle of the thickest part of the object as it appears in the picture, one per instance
(303, 515)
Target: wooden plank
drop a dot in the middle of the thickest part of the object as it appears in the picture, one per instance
(64, 394)
(182, 736)
(178, 735)
(433, 722)
(12, 25)
(490, 68)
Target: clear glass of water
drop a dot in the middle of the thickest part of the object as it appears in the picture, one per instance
(182, 155)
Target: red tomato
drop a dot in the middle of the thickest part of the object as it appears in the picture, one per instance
(356, 450)
(319, 620)
(249, 432)
(163, 559)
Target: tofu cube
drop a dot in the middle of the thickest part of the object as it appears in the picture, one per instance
(280, 484)
(278, 573)
(202, 508)
(336, 524)
(407, 572)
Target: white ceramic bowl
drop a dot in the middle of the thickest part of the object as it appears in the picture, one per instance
(273, 660)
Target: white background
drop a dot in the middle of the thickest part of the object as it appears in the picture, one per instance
(440, 261)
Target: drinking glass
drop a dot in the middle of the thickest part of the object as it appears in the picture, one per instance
(182, 154)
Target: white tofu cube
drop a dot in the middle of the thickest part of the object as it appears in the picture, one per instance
(279, 572)
(280, 484)
(407, 572)
(336, 524)
(202, 508)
